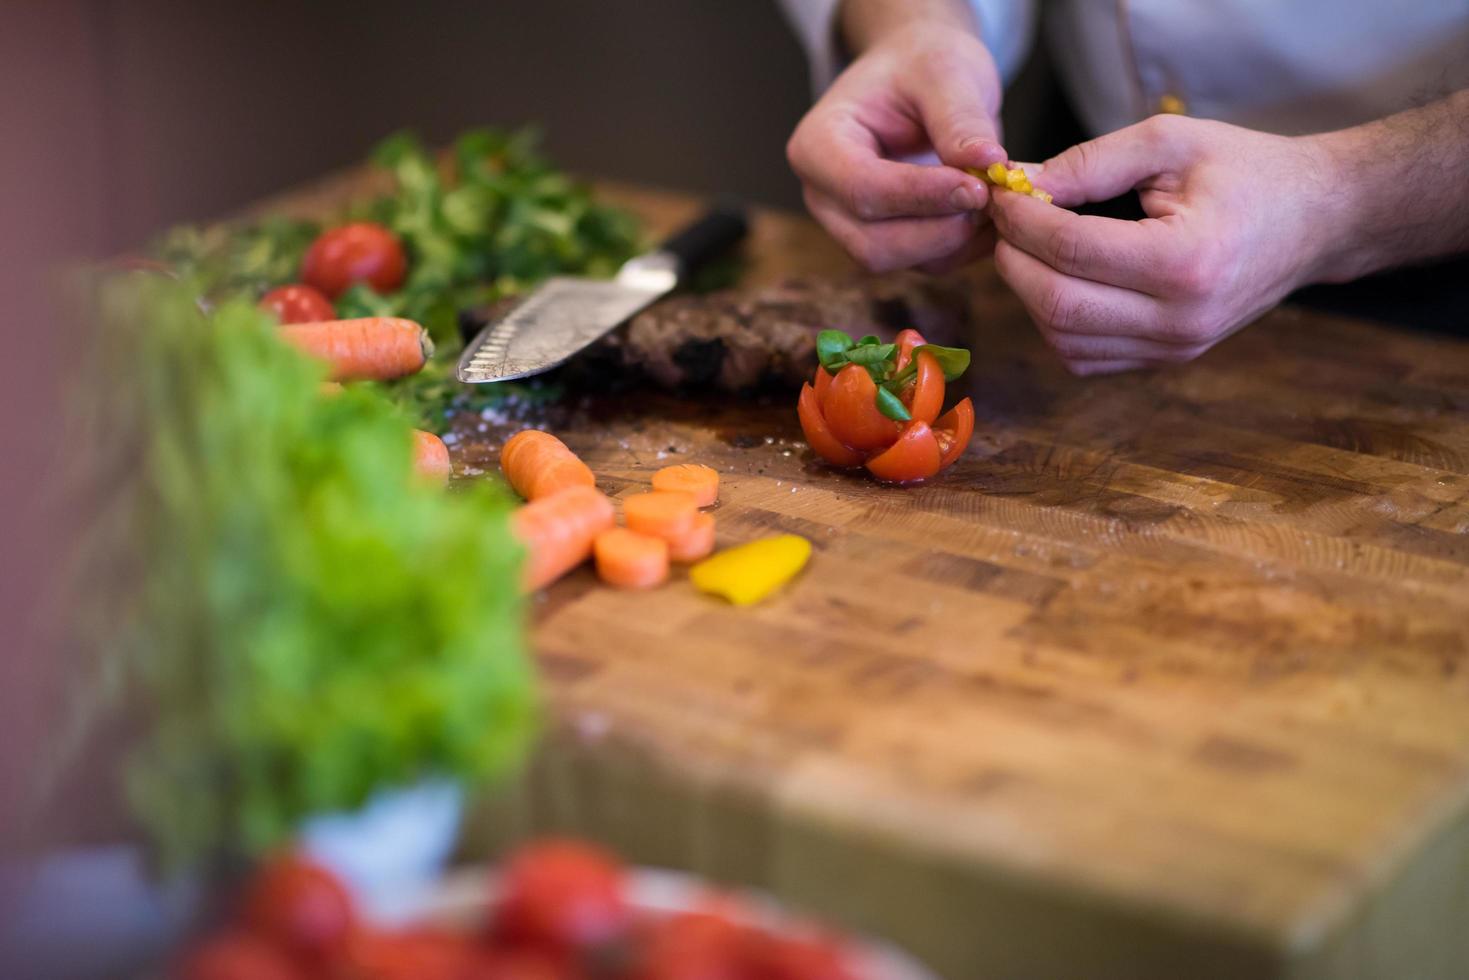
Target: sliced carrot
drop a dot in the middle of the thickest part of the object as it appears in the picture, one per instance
(558, 531)
(666, 514)
(372, 348)
(431, 456)
(701, 481)
(630, 560)
(698, 544)
(538, 464)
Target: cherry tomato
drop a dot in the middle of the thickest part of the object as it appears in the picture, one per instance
(925, 398)
(302, 908)
(953, 432)
(297, 303)
(906, 341)
(411, 954)
(236, 956)
(818, 435)
(803, 959)
(360, 252)
(695, 946)
(562, 895)
(851, 413)
(821, 382)
(915, 456)
(517, 964)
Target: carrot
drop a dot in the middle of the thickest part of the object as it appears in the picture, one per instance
(538, 464)
(431, 456)
(630, 560)
(558, 531)
(697, 544)
(692, 478)
(666, 514)
(373, 348)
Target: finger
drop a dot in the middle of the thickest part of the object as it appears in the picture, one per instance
(1063, 304)
(959, 104)
(981, 245)
(1083, 369)
(1141, 255)
(840, 158)
(1109, 165)
(897, 243)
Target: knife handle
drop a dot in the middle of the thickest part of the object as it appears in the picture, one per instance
(720, 227)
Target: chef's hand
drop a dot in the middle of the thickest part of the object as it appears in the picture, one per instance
(923, 88)
(1229, 233)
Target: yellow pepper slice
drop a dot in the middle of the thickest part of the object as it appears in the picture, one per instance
(1015, 180)
(748, 573)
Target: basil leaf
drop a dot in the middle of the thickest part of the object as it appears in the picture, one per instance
(954, 361)
(892, 406)
(872, 355)
(869, 340)
(831, 349)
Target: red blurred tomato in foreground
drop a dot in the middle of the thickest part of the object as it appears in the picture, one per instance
(359, 252)
(297, 303)
(237, 956)
(301, 908)
(562, 896)
(410, 954)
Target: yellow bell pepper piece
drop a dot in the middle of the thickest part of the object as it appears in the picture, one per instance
(1014, 180)
(748, 573)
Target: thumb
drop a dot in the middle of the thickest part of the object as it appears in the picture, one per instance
(1107, 166)
(960, 112)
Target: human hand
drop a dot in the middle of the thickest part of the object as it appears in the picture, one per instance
(918, 90)
(1236, 220)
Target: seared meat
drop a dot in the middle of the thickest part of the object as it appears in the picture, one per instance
(737, 339)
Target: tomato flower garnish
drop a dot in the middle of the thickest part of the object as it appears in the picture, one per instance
(877, 405)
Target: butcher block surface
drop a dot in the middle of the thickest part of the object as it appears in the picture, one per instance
(1168, 676)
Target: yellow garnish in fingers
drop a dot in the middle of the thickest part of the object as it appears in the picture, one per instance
(1013, 179)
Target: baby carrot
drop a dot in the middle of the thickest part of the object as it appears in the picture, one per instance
(431, 456)
(692, 478)
(697, 544)
(558, 531)
(630, 560)
(373, 348)
(538, 464)
(666, 514)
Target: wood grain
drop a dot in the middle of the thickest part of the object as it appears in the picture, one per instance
(1169, 676)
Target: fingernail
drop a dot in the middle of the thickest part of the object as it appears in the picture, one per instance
(992, 153)
(964, 198)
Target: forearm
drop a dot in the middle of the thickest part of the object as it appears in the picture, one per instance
(865, 22)
(1397, 190)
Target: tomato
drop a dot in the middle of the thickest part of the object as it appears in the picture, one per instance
(562, 895)
(803, 959)
(851, 413)
(818, 435)
(516, 964)
(953, 432)
(695, 946)
(236, 956)
(411, 954)
(297, 303)
(360, 252)
(821, 382)
(302, 908)
(915, 456)
(925, 399)
(906, 341)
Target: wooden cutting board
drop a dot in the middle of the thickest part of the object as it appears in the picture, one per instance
(1168, 677)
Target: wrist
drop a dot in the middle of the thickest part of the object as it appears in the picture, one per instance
(865, 23)
(1342, 245)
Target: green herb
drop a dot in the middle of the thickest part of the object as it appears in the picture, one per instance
(953, 361)
(293, 619)
(831, 349)
(871, 355)
(892, 406)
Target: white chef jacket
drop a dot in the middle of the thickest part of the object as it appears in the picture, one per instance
(1281, 66)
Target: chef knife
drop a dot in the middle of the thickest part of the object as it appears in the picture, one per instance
(565, 314)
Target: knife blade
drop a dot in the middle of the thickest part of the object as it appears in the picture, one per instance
(566, 314)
